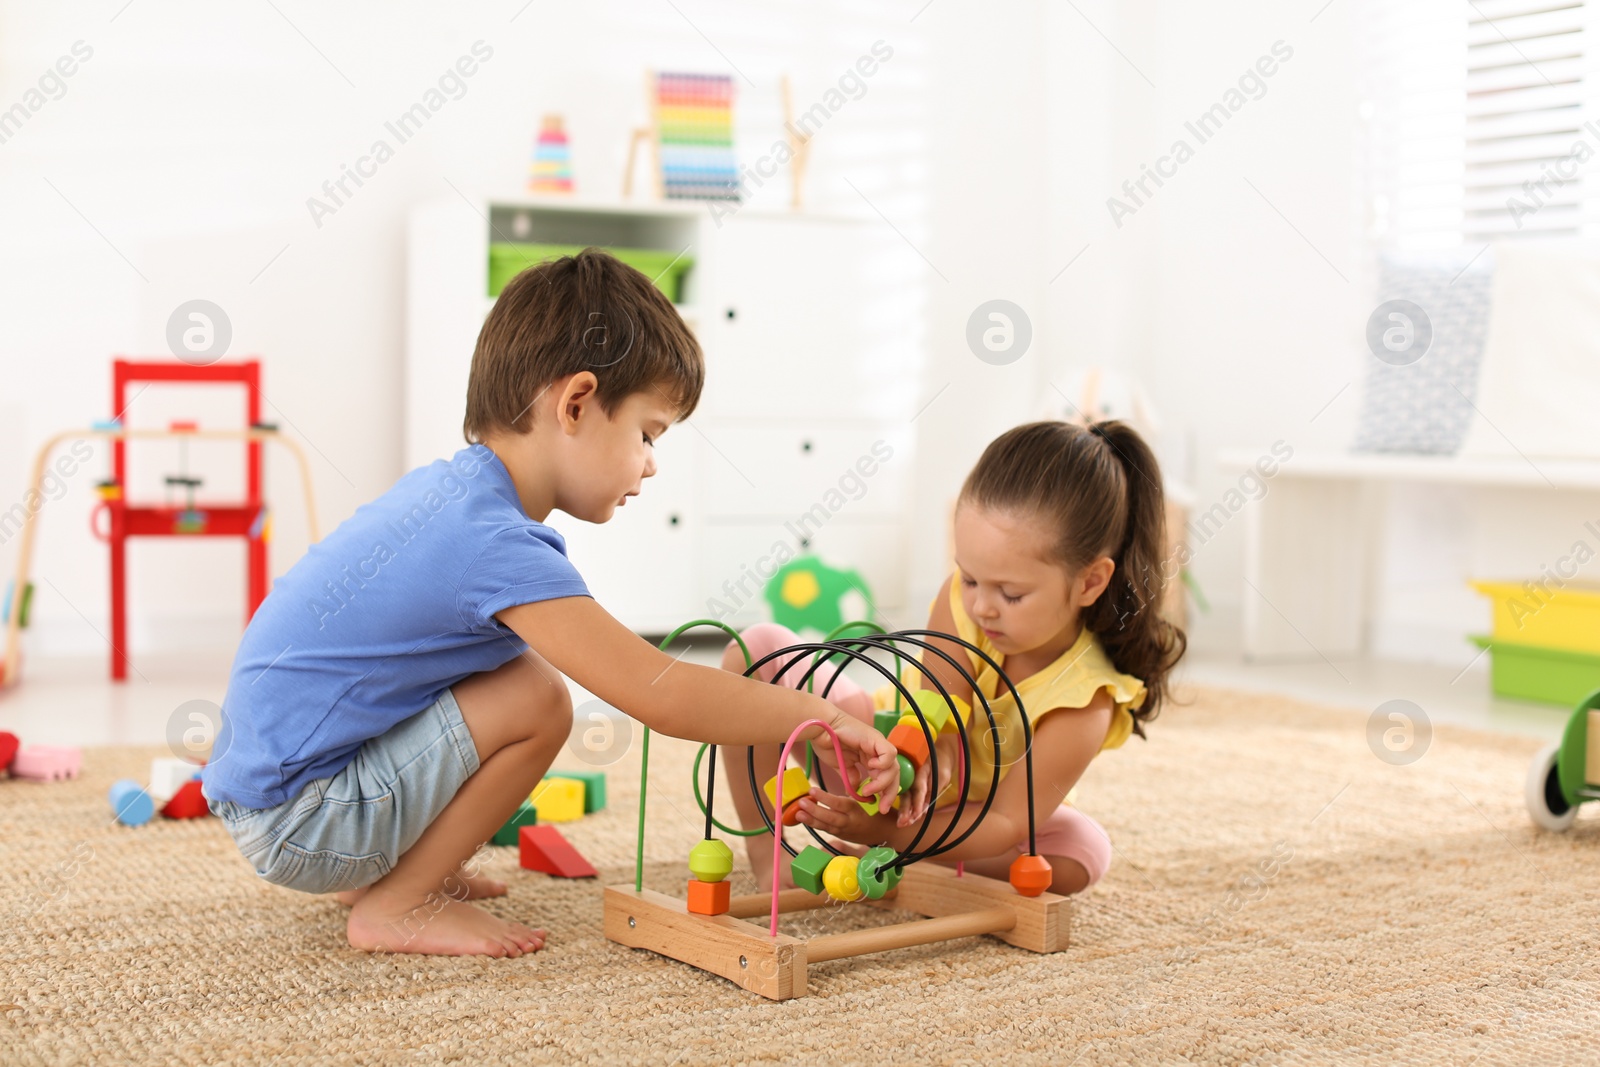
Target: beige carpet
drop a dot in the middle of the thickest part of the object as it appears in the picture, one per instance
(1279, 896)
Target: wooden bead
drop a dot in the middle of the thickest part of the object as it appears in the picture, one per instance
(808, 868)
(711, 860)
(796, 786)
(874, 874)
(708, 898)
(934, 708)
(1031, 875)
(908, 773)
(840, 878)
(910, 743)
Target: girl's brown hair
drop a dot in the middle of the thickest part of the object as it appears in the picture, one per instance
(1099, 490)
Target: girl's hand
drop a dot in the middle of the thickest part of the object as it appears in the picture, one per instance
(842, 817)
(916, 802)
(872, 765)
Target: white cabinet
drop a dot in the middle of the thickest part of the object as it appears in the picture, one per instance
(803, 435)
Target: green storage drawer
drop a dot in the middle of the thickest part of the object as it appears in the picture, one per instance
(1537, 672)
(507, 259)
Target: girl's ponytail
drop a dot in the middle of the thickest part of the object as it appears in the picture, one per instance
(1127, 617)
(1099, 488)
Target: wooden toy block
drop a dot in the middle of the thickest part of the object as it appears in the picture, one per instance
(131, 804)
(187, 803)
(544, 849)
(558, 799)
(796, 786)
(47, 763)
(711, 861)
(807, 868)
(8, 749)
(594, 788)
(1031, 875)
(1592, 747)
(707, 898)
(910, 743)
(526, 815)
(167, 776)
(884, 721)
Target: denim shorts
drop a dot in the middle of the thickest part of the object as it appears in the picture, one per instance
(349, 830)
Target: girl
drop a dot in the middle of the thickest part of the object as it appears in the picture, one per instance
(1059, 579)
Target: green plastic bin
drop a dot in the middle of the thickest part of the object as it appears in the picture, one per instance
(1522, 671)
(507, 259)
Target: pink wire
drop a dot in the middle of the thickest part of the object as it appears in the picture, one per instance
(777, 813)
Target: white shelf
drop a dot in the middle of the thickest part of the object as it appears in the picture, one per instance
(1513, 472)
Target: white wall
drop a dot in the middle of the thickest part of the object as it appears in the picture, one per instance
(178, 164)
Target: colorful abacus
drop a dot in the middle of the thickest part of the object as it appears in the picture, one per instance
(694, 136)
(707, 931)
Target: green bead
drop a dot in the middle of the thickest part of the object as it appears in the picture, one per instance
(808, 866)
(875, 874)
(711, 860)
(908, 773)
(884, 721)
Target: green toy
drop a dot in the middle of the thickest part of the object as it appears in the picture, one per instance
(807, 594)
(526, 815)
(1565, 775)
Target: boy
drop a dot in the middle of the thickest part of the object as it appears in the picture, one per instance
(396, 696)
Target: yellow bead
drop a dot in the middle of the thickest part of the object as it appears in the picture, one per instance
(840, 878)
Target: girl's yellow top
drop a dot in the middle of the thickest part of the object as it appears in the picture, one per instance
(1070, 682)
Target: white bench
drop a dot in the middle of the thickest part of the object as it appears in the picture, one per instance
(1311, 541)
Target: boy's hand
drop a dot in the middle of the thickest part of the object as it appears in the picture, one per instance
(921, 796)
(871, 757)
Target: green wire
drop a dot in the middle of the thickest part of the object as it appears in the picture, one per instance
(644, 760)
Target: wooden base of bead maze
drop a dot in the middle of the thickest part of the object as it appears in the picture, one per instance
(775, 967)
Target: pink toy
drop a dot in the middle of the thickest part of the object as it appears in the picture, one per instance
(47, 763)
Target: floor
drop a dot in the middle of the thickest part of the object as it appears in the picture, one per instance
(71, 701)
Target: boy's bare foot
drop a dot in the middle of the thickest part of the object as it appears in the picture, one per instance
(437, 926)
(478, 886)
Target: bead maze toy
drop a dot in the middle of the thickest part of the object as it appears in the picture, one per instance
(249, 518)
(707, 929)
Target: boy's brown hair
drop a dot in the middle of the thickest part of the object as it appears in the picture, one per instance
(585, 312)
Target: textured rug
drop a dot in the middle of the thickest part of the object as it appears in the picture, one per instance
(1279, 895)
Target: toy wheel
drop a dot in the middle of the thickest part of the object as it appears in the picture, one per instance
(1547, 806)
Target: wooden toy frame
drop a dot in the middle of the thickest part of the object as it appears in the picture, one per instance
(952, 903)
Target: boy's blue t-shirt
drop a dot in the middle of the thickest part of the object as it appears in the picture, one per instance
(376, 620)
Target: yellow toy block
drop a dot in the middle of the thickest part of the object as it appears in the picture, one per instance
(558, 799)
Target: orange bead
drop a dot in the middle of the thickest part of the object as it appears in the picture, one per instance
(910, 743)
(707, 898)
(1031, 875)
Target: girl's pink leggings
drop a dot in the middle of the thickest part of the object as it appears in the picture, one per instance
(1068, 832)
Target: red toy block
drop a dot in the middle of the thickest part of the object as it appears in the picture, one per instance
(8, 749)
(707, 898)
(47, 763)
(187, 803)
(544, 849)
(910, 743)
